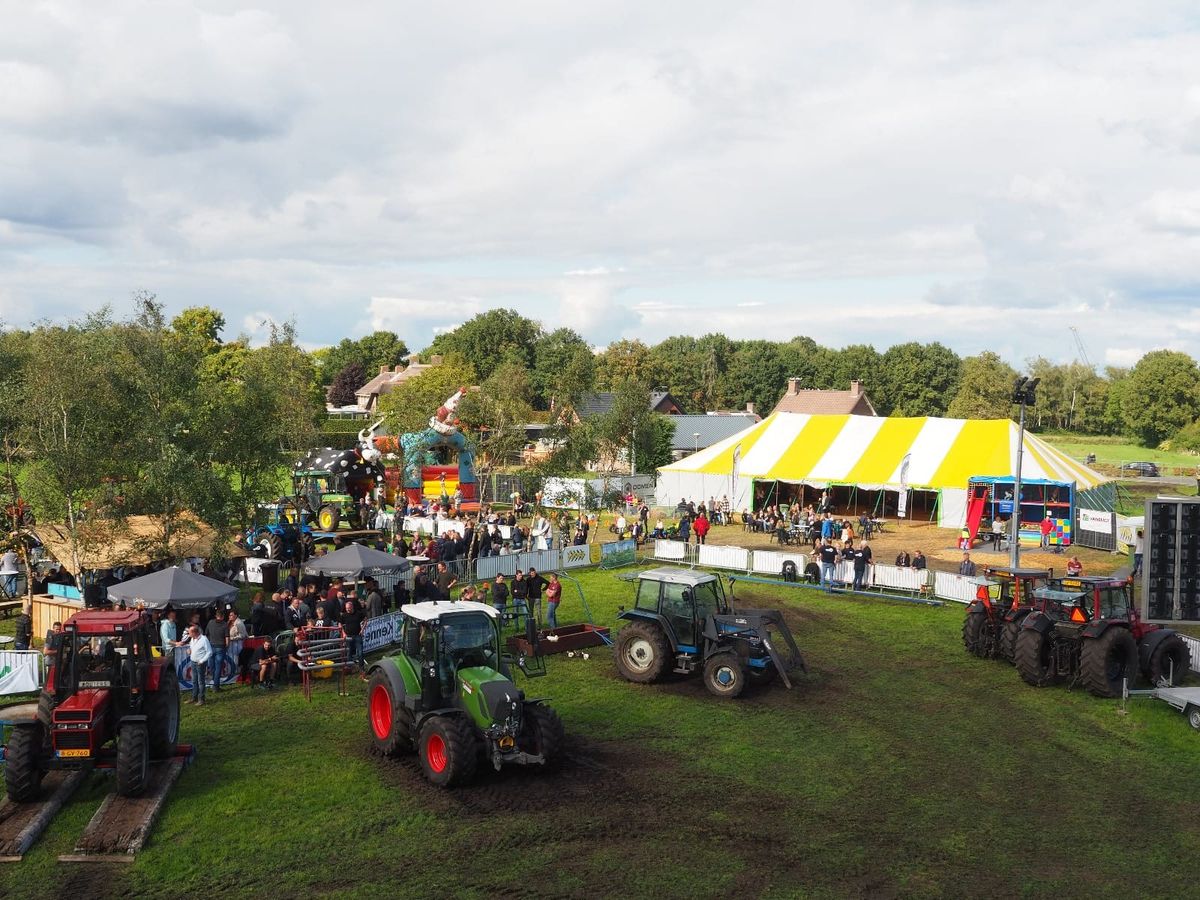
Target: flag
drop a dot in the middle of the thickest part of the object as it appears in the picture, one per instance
(737, 458)
(902, 500)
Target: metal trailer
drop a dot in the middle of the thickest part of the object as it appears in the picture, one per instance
(1184, 699)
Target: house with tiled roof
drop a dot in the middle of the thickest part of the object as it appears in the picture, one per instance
(593, 405)
(854, 402)
(387, 380)
(694, 433)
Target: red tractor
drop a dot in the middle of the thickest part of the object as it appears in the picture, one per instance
(1086, 630)
(994, 617)
(106, 685)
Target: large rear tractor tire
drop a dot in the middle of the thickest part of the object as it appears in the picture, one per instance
(269, 546)
(972, 632)
(641, 652)
(1107, 661)
(306, 547)
(133, 759)
(1008, 641)
(542, 732)
(162, 715)
(724, 675)
(1032, 657)
(388, 719)
(22, 769)
(1170, 660)
(329, 517)
(447, 750)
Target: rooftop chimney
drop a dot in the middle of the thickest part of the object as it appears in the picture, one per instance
(856, 388)
(793, 385)
(383, 370)
(750, 408)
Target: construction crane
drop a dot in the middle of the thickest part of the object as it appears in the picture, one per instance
(1082, 350)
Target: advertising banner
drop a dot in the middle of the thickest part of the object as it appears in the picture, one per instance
(381, 631)
(618, 553)
(19, 671)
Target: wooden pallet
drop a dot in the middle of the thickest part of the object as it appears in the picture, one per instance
(121, 826)
(23, 823)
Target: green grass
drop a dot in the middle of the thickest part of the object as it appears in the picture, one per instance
(1113, 451)
(899, 766)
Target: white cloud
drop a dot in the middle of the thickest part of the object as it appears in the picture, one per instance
(951, 172)
(1123, 356)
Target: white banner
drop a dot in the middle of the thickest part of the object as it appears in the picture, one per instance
(1095, 520)
(19, 671)
(664, 549)
(902, 579)
(253, 573)
(960, 588)
(724, 557)
(770, 562)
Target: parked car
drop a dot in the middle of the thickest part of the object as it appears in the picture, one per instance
(1148, 469)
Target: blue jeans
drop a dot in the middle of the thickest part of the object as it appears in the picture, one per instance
(860, 577)
(199, 676)
(1137, 564)
(355, 650)
(552, 615)
(827, 570)
(215, 665)
(10, 585)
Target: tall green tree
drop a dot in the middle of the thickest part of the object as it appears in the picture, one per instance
(623, 361)
(494, 419)
(1163, 396)
(916, 380)
(490, 339)
(373, 352)
(408, 406)
(985, 389)
(757, 373)
(346, 383)
(563, 368)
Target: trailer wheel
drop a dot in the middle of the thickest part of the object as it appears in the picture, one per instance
(542, 732)
(133, 759)
(972, 632)
(1105, 662)
(724, 675)
(1170, 659)
(1008, 641)
(389, 719)
(1193, 717)
(447, 750)
(22, 769)
(162, 715)
(1034, 663)
(641, 652)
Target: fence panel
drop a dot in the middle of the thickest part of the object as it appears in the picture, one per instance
(960, 588)
(677, 551)
(724, 557)
(1194, 646)
(900, 579)
(488, 567)
(770, 562)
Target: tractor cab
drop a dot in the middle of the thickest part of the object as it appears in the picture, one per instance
(1097, 597)
(684, 600)
(1011, 587)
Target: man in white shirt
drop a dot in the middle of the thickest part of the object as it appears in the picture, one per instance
(201, 652)
(9, 570)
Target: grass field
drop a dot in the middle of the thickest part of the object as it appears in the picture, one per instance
(1113, 451)
(900, 766)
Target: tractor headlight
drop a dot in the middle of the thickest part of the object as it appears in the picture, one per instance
(507, 742)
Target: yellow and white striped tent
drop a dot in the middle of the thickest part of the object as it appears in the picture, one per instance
(871, 453)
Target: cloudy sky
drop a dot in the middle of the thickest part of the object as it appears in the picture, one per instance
(987, 175)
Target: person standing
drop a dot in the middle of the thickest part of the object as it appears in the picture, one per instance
(1139, 549)
(446, 581)
(685, 528)
(53, 639)
(966, 567)
(701, 527)
(217, 633)
(862, 559)
(1046, 527)
(10, 568)
(534, 585)
(200, 651)
(918, 561)
(352, 620)
(519, 592)
(553, 596)
(829, 561)
(237, 639)
(24, 631)
(374, 599)
(168, 633)
(500, 595)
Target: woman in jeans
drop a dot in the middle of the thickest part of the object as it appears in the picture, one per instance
(553, 596)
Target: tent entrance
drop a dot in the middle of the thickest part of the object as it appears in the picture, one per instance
(845, 499)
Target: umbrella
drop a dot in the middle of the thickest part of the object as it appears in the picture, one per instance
(356, 560)
(180, 588)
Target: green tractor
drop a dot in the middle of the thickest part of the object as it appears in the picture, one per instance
(449, 695)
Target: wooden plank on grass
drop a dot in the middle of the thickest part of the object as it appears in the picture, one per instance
(23, 823)
(121, 826)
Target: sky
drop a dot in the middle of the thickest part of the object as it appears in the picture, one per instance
(984, 175)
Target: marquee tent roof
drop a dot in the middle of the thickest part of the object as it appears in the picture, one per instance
(875, 452)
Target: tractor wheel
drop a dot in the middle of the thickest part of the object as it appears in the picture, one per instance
(1032, 656)
(724, 675)
(133, 759)
(1107, 661)
(162, 715)
(542, 732)
(22, 769)
(641, 652)
(762, 677)
(306, 546)
(270, 546)
(1170, 659)
(972, 632)
(46, 704)
(1008, 641)
(389, 719)
(329, 517)
(447, 750)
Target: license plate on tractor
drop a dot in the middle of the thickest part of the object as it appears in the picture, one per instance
(69, 753)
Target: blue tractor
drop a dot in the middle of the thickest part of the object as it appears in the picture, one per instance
(683, 622)
(286, 534)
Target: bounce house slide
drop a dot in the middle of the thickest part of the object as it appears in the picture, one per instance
(975, 513)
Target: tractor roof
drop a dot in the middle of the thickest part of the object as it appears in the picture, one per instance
(104, 621)
(1087, 582)
(431, 610)
(677, 576)
(1010, 572)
